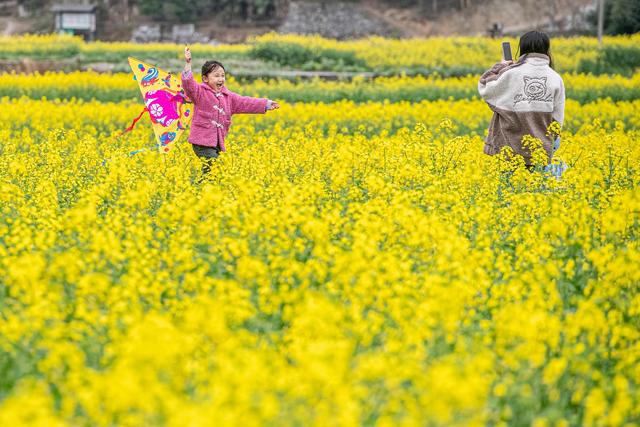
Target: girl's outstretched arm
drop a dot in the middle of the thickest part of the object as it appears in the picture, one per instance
(191, 88)
(248, 105)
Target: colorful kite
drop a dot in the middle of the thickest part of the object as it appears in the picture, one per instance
(164, 99)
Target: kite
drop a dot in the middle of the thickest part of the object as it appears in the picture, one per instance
(169, 108)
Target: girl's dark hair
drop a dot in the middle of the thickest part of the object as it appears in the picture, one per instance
(535, 42)
(209, 66)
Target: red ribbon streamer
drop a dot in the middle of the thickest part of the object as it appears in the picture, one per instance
(144, 110)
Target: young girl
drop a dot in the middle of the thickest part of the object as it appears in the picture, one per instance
(526, 96)
(214, 105)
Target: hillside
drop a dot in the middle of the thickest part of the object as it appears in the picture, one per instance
(119, 20)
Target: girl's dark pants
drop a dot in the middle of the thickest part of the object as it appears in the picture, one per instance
(207, 155)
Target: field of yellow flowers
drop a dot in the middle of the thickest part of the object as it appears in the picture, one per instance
(348, 262)
(449, 56)
(115, 87)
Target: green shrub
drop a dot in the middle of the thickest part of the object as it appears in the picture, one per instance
(623, 60)
(296, 55)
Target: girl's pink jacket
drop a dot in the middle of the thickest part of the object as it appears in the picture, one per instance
(213, 111)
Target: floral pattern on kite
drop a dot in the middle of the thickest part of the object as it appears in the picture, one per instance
(163, 106)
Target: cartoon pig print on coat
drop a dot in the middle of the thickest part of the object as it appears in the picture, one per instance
(162, 106)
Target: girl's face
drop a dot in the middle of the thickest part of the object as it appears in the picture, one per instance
(215, 79)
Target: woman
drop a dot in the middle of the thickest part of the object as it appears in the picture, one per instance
(526, 96)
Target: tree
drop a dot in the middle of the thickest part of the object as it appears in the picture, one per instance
(186, 10)
(620, 17)
(152, 8)
(191, 10)
(624, 17)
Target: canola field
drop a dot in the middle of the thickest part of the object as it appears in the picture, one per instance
(354, 259)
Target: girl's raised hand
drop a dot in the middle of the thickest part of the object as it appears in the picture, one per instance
(274, 105)
(187, 54)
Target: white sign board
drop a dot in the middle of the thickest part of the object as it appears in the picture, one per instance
(78, 21)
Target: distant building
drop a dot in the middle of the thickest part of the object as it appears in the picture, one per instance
(77, 19)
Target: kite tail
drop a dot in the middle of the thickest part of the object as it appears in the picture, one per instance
(131, 153)
(130, 128)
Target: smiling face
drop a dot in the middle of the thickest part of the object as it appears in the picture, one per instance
(215, 79)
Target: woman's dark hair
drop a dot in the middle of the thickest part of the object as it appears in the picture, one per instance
(535, 42)
(209, 66)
